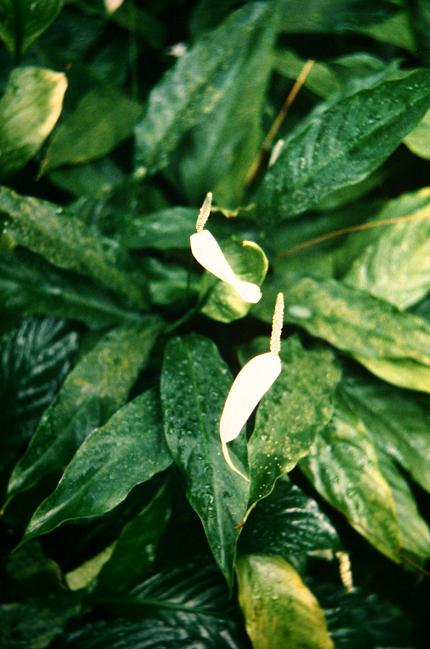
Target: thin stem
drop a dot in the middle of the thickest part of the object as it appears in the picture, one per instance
(228, 460)
(267, 142)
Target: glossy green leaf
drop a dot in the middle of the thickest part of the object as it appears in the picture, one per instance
(249, 263)
(374, 332)
(193, 88)
(394, 262)
(68, 242)
(418, 141)
(194, 385)
(223, 146)
(31, 286)
(395, 29)
(103, 118)
(176, 607)
(93, 391)
(162, 230)
(320, 156)
(128, 450)
(291, 413)
(23, 21)
(134, 551)
(278, 607)
(399, 422)
(290, 524)
(34, 361)
(29, 110)
(343, 467)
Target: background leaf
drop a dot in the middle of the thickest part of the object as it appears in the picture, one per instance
(29, 109)
(342, 145)
(22, 21)
(128, 450)
(278, 607)
(193, 395)
(92, 392)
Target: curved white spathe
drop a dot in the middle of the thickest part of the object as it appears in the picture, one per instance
(249, 386)
(207, 252)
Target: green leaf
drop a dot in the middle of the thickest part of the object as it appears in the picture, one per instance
(67, 242)
(31, 286)
(177, 607)
(162, 230)
(381, 337)
(394, 262)
(34, 625)
(34, 360)
(290, 524)
(194, 385)
(193, 88)
(418, 140)
(93, 391)
(103, 118)
(343, 467)
(222, 147)
(128, 450)
(134, 551)
(29, 110)
(249, 263)
(320, 156)
(279, 610)
(400, 420)
(296, 407)
(23, 21)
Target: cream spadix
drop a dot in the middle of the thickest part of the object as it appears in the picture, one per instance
(207, 252)
(250, 385)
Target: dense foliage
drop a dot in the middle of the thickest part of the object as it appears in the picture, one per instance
(122, 524)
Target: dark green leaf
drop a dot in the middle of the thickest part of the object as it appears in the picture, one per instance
(34, 360)
(390, 342)
(296, 407)
(68, 242)
(22, 21)
(92, 392)
(342, 145)
(103, 118)
(194, 385)
(290, 524)
(31, 286)
(128, 450)
(134, 552)
(343, 467)
(279, 610)
(162, 230)
(394, 262)
(194, 87)
(29, 110)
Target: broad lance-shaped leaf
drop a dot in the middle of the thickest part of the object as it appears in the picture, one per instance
(193, 87)
(194, 384)
(394, 262)
(297, 406)
(29, 110)
(290, 524)
(343, 467)
(22, 21)
(342, 145)
(391, 343)
(279, 609)
(66, 241)
(93, 391)
(31, 286)
(399, 421)
(103, 118)
(128, 450)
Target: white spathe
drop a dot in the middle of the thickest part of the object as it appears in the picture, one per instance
(207, 252)
(249, 386)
